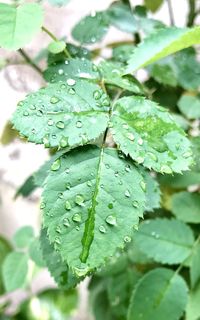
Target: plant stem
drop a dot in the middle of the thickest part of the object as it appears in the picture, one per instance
(171, 13)
(52, 36)
(29, 60)
(192, 13)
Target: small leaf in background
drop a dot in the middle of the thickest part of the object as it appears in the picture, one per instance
(15, 269)
(91, 28)
(51, 304)
(35, 253)
(165, 241)
(56, 46)
(153, 194)
(23, 237)
(18, 25)
(161, 44)
(122, 52)
(78, 68)
(193, 306)
(63, 114)
(92, 192)
(190, 106)
(26, 188)
(149, 134)
(163, 72)
(8, 134)
(112, 73)
(195, 266)
(153, 5)
(122, 18)
(160, 294)
(5, 249)
(186, 206)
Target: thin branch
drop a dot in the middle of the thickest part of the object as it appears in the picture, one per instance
(171, 13)
(192, 13)
(30, 61)
(52, 36)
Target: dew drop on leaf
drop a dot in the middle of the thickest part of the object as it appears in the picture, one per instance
(60, 195)
(71, 82)
(25, 113)
(79, 200)
(42, 205)
(127, 194)
(130, 136)
(68, 185)
(50, 122)
(140, 142)
(127, 239)
(60, 125)
(55, 165)
(79, 124)
(111, 220)
(71, 91)
(58, 229)
(97, 94)
(135, 204)
(102, 229)
(143, 185)
(127, 168)
(67, 205)
(63, 142)
(66, 222)
(57, 240)
(89, 183)
(77, 217)
(54, 100)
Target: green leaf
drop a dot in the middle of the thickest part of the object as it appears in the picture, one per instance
(26, 188)
(161, 44)
(51, 304)
(165, 241)
(56, 46)
(112, 73)
(122, 52)
(153, 5)
(122, 18)
(189, 106)
(149, 135)
(186, 206)
(78, 68)
(160, 294)
(163, 72)
(85, 202)
(63, 114)
(193, 306)
(23, 237)
(196, 152)
(35, 253)
(181, 181)
(18, 25)
(15, 269)
(5, 249)
(91, 28)
(58, 269)
(195, 266)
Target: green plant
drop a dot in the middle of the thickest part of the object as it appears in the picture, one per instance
(113, 139)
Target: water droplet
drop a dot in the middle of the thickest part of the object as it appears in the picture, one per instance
(67, 171)
(33, 131)
(166, 169)
(127, 239)
(153, 156)
(25, 113)
(40, 113)
(140, 142)
(66, 62)
(32, 107)
(94, 68)
(153, 233)
(54, 100)
(68, 185)
(97, 94)
(63, 86)
(143, 185)
(116, 173)
(50, 122)
(60, 71)
(77, 228)
(55, 165)
(107, 166)
(102, 229)
(54, 136)
(77, 217)
(58, 229)
(60, 195)
(71, 91)
(42, 205)
(66, 222)
(79, 124)
(135, 227)
(110, 205)
(63, 142)
(71, 82)
(79, 200)
(57, 240)
(127, 194)
(111, 220)
(45, 140)
(68, 205)
(130, 136)
(60, 125)
(106, 102)
(128, 168)
(89, 183)
(135, 204)
(140, 160)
